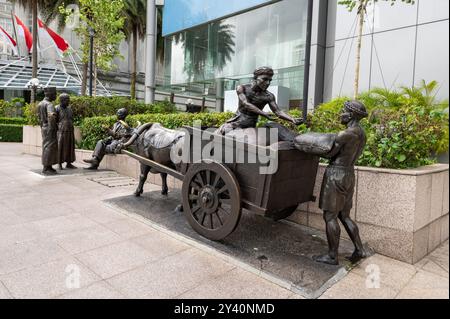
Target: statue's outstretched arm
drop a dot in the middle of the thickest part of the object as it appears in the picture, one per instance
(282, 115)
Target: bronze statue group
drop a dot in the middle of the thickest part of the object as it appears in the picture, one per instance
(58, 136)
(344, 149)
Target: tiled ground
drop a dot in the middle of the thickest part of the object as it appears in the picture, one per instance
(58, 240)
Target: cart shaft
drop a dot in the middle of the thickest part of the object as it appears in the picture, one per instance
(160, 168)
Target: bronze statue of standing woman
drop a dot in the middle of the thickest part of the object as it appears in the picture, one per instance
(48, 124)
(66, 134)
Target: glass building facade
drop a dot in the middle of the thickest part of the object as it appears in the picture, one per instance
(212, 58)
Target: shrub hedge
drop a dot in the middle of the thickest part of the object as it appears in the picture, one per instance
(12, 108)
(11, 133)
(13, 120)
(91, 128)
(84, 107)
(397, 138)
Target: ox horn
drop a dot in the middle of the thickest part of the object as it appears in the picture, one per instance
(137, 133)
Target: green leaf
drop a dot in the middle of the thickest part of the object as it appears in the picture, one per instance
(401, 158)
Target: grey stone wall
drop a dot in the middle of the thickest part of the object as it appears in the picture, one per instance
(402, 45)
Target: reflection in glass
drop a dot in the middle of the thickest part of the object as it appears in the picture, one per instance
(206, 50)
(218, 56)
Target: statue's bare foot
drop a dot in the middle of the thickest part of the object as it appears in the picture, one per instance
(326, 259)
(357, 256)
(138, 192)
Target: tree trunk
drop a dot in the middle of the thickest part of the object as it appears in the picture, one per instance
(34, 10)
(361, 12)
(134, 64)
(84, 80)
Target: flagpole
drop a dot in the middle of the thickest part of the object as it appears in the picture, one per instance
(34, 54)
(15, 33)
(39, 42)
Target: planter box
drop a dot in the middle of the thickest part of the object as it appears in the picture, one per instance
(32, 139)
(403, 214)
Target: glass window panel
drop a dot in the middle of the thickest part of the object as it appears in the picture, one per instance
(231, 49)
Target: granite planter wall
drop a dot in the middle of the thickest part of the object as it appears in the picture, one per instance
(403, 214)
(32, 139)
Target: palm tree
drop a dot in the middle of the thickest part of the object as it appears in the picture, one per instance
(49, 11)
(203, 53)
(135, 13)
(134, 28)
(426, 95)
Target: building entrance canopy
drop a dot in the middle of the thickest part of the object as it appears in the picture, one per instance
(16, 77)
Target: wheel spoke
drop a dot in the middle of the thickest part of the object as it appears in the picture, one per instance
(211, 221)
(225, 201)
(196, 186)
(193, 197)
(223, 211)
(202, 219)
(220, 220)
(215, 180)
(208, 177)
(196, 210)
(222, 190)
(199, 180)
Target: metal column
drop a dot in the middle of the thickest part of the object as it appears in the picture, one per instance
(150, 67)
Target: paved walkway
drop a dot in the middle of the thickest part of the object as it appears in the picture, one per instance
(58, 240)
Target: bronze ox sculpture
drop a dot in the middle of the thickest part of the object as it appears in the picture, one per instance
(154, 142)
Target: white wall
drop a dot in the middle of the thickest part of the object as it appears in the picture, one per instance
(402, 45)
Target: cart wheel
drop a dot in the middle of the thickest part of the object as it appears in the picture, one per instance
(282, 214)
(211, 200)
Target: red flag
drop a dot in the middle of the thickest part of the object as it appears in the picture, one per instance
(8, 39)
(59, 42)
(25, 33)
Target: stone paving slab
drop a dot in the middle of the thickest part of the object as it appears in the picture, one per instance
(280, 250)
(48, 280)
(425, 285)
(171, 276)
(115, 259)
(236, 284)
(87, 239)
(355, 287)
(19, 256)
(4, 293)
(98, 290)
(70, 172)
